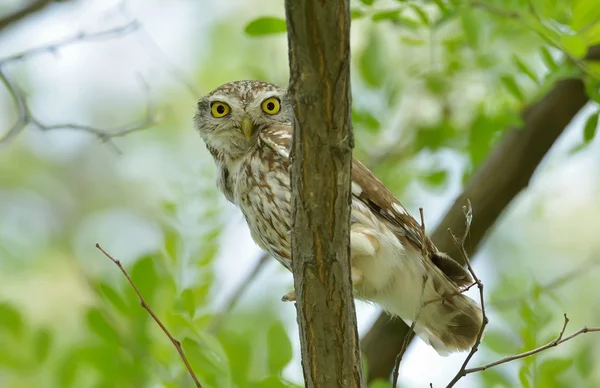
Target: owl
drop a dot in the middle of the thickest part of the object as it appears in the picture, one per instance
(246, 126)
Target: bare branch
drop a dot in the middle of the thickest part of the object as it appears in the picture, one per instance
(26, 116)
(237, 294)
(145, 306)
(460, 244)
(23, 12)
(557, 341)
(81, 37)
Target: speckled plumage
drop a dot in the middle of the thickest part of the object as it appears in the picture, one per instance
(251, 151)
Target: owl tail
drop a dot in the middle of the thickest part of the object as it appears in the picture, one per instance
(450, 325)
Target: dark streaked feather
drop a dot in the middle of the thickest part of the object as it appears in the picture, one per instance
(382, 202)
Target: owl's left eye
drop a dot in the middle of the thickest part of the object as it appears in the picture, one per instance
(219, 109)
(271, 105)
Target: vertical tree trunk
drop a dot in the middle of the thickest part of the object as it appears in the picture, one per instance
(319, 47)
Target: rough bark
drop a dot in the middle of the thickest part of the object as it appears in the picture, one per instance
(319, 51)
(491, 189)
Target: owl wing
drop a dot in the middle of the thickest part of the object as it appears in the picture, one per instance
(373, 193)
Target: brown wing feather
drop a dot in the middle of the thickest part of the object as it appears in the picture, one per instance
(382, 202)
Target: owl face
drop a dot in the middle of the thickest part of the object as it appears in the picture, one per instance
(230, 117)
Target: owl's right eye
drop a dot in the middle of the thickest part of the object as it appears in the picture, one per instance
(219, 109)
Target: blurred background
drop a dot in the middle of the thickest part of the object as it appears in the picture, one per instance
(436, 84)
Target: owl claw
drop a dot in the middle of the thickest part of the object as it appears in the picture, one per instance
(289, 297)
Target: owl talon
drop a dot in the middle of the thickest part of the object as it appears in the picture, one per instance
(289, 297)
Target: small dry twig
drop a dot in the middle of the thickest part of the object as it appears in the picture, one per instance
(411, 330)
(452, 295)
(557, 341)
(460, 244)
(145, 306)
(26, 116)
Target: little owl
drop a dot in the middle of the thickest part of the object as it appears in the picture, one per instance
(246, 126)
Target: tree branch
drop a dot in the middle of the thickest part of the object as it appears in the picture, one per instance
(319, 53)
(557, 341)
(491, 189)
(23, 12)
(26, 116)
(145, 306)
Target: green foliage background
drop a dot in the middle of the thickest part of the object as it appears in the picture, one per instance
(435, 84)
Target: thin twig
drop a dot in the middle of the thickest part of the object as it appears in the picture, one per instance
(145, 306)
(81, 37)
(460, 244)
(411, 330)
(215, 324)
(27, 117)
(557, 341)
(445, 298)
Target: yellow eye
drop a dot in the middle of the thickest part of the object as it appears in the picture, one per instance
(271, 105)
(219, 109)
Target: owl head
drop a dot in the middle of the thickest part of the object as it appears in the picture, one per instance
(230, 117)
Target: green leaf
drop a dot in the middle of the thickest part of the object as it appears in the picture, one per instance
(511, 85)
(525, 69)
(11, 320)
(410, 41)
(524, 376)
(551, 368)
(239, 350)
(279, 348)
(41, 344)
(590, 128)
(100, 325)
(145, 277)
(366, 120)
(499, 342)
(370, 64)
(470, 25)
(548, 59)
(495, 378)
(356, 14)
(367, 2)
(591, 35)
(437, 177)
(204, 357)
(266, 26)
(386, 15)
(423, 17)
(113, 297)
(575, 45)
(584, 361)
(380, 384)
(188, 301)
(585, 13)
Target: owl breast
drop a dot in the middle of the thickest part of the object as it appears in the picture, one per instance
(262, 192)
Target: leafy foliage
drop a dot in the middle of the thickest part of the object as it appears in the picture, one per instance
(436, 84)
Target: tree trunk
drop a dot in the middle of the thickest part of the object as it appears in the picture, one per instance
(319, 47)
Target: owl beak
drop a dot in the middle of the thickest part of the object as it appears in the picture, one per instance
(247, 128)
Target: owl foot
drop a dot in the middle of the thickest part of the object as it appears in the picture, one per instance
(289, 297)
